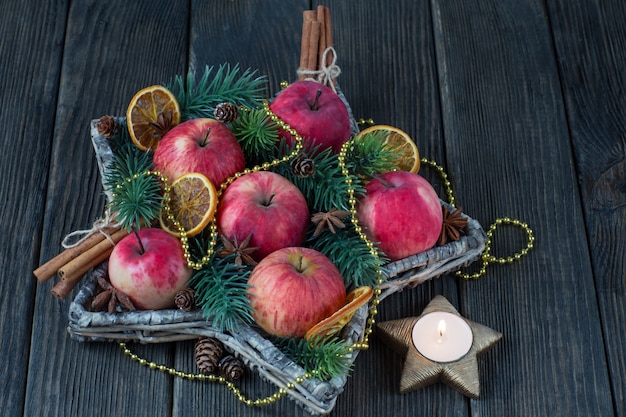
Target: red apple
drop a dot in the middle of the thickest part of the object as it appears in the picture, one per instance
(267, 206)
(293, 289)
(316, 112)
(150, 272)
(199, 145)
(402, 213)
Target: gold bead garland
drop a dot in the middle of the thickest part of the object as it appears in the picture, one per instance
(486, 257)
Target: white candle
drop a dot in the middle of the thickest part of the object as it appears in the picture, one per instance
(442, 337)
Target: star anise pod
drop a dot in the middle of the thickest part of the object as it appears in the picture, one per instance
(333, 218)
(453, 224)
(162, 125)
(109, 297)
(240, 250)
(106, 126)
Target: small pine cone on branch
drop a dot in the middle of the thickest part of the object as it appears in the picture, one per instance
(226, 112)
(231, 367)
(208, 351)
(106, 126)
(302, 166)
(185, 299)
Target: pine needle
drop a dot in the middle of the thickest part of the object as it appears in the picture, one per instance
(351, 256)
(136, 195)
(326, 188)
(222, 293)
(328, 357)
(198, 97)
(369, 156)
(256, 133)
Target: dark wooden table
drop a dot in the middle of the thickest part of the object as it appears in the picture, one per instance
(522, 101)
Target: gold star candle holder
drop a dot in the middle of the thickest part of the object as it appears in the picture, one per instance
(439, 346)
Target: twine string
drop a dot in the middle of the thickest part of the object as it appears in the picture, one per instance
(327, 73)
(76, 237)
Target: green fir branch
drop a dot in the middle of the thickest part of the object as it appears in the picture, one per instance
(136, 193)
(350, 254)
(327, 187)
(369, 156)
(328, 357)
(222, 293)
(257, 134)
(198, 97)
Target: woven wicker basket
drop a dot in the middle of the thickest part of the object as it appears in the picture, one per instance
(257, 352)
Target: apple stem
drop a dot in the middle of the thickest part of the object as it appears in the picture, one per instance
(269, 201)
(206, 137)
(385, 182)
(142, 250)
(315, 105)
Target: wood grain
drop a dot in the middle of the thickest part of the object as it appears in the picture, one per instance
(590, 40)
(522, 102)
(29, 82)
(112, 50)
(506, 129)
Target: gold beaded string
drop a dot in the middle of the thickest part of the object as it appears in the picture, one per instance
(352, 201)
(206, 258)
(270, 399)
(373, 311)
(486, 257)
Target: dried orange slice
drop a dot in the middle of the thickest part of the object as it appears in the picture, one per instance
(333, 324)
(193, 201)
(151, 113)
(408, 157)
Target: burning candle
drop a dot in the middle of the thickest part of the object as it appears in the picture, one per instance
(442, 337)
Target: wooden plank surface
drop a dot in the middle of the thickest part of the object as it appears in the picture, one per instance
(389, 74)
(112, 50)
(520, 101)
(27, 108)
(590, 40)
(506, 130)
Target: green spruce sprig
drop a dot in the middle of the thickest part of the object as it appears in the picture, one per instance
(257, 134)
(222, 293)
(327, 187)
(198, 97)
(136, 193)
(369, 156)
(351, 256)
(329, 357)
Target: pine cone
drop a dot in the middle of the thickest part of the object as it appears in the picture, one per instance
(106, 125)
(185, 299)
(231, 367)
(208, 352)
(226, 112)
(302, 166)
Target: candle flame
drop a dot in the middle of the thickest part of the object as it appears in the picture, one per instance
(441, 328)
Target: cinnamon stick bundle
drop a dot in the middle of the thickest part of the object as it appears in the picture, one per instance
(50, 268)
(73, 263)
(316, 38)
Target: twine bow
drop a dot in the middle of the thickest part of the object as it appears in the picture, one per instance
(327, 73)
(98, 226)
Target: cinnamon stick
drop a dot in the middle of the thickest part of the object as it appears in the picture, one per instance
(321, 17)
(329, 34)
(308, 17)
(62, 288)
(50, 268)
(77, 267)
(312, 52)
